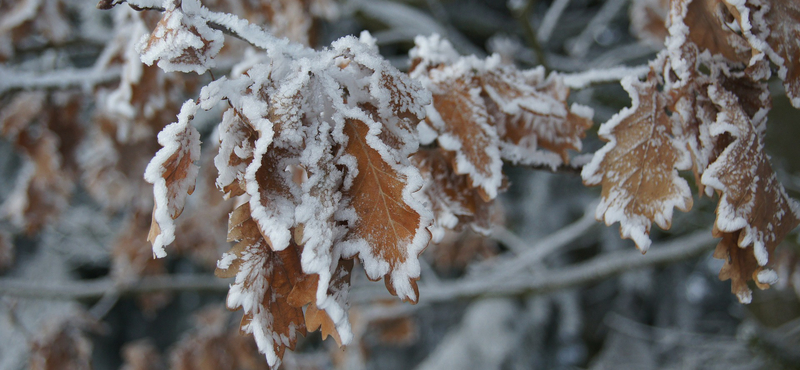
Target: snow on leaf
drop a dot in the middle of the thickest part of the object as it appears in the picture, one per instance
(182, 41)
(463, 123)
(304, 293)
(173, 173)
(754, 212)
(319, 147)
(775, 30)
(648, 20)
(236, 144)
(390, 231)
(706, 24)
(454, 202)
(486, 112)
(637, 168)
(264, 280)
(531, 112)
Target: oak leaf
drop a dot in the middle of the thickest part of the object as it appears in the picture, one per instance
(705, 23)
(485, 112)
(453, 201)
(638, 167)
(173, 174)
(754, 212)
(319, 150)
(182, 41)
(771, 27)
(263, 281)
(386, 225)
(210, 344)
(648, 20)
(62, 345)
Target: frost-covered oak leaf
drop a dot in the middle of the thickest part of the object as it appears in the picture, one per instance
(453, 201)
(486, 112)
(318, 145)
(387, 230)
(461, 117)
(236, 142)
(706, 23)
(173, 174)
(264, 279)
(531, 112)
(754, 213)
(773, 27)
(182, 41)
(637, 168)
(304, 294)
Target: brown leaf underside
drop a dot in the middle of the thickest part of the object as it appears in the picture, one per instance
(284, 272)
(385, 222)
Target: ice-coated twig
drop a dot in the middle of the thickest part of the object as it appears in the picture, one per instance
(598, 268)
(523, 16)
(232, 25)
(550, 20)
(585, 79)
(580, 44)
(533, 255)
(11, 80)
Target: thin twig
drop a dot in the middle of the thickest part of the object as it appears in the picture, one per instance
(534, 254)
(524, 19)
(592, 77)
(580, 45)
(93, 289)
(596, 269)
(550, 19)
(11, 80)
(233, 26)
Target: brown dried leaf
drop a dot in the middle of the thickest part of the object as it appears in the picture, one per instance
(464, 128)
(141, 355)
(637, 168)
(63, 347)
(385, 221)
(46, 129)
(531, 112)
(458, 249)
(775, 22)
(753, 210)
(396, 331)
(648, 20)
(182, 42)
(453, 201)
(264, 281)
(210, 345)
(706, 22)
(173, 173)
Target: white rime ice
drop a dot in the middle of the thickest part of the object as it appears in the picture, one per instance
(612, 208)
(179, 140)
(182, 41)
(283, 138)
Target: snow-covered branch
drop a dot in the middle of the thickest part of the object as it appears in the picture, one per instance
(11, 80)
(596, 269)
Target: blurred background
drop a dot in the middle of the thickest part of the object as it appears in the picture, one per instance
(79, 115)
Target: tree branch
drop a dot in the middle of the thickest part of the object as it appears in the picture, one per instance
(11, 80)
(596, 269)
